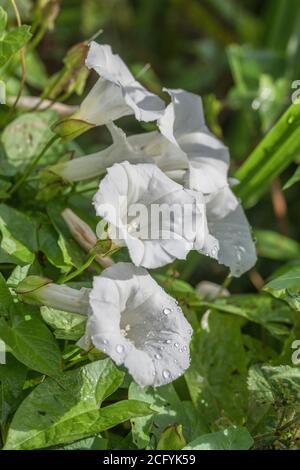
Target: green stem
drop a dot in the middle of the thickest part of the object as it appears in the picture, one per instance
(78, 271)
(22, 57)
(37, 38)
(32, 165)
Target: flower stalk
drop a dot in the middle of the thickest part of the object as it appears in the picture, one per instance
(36, 290)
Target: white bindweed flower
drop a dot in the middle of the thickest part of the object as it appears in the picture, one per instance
(148, 147)
(135, 322)
(155, 217)
(116, 93)
(129, 317)
(96, 164)
(183, 124)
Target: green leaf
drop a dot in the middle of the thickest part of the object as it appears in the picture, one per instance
(18, 274)
(171, 438)
(273, 245)
(91, 443)
(66, 325)
(233, 438)
(30, 341)
(19, 234)
(294, 179)
(217, 375)
(6, 303)
(273, 391)
(169, 411)
(22, 227)
(48, 241)
(12, 42)
(72, 253)
(13, 247)
(25, 137)
(3, 21)
(12, 378)
(286, 287)
(275, 316)
(270, 158)
(56, 414)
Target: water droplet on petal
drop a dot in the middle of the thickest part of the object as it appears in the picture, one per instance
(214, 251)
(184, 348)
(105, 341)
(169, 341)
(157, 356)
(167, 311)
(166, 374)
(176, 345)
(119, 348)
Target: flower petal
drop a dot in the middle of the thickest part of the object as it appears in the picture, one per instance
(237, 249)
(155, 240)
(103, 104)
(184, 125)
(139, 325)
(119, 88)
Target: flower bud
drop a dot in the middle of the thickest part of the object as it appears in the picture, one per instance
(84, 235)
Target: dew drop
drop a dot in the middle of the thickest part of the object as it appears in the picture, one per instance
(105, 341)
(214, 251)
(167, 311)
(166, 374)
(169, 341)
(157, 356)
(176, 345)
(119, 348)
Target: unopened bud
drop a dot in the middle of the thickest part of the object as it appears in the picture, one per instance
(84, 235)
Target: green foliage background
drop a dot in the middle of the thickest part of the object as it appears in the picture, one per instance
(242, 390)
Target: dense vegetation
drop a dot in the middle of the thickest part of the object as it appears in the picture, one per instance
(242, 388)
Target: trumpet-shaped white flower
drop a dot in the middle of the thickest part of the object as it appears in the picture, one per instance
(154, 216)
(96, 164)
(129, 317)
(183, 124)
(190, 154)
(116, 93)
(135, 322)
(148, 147)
